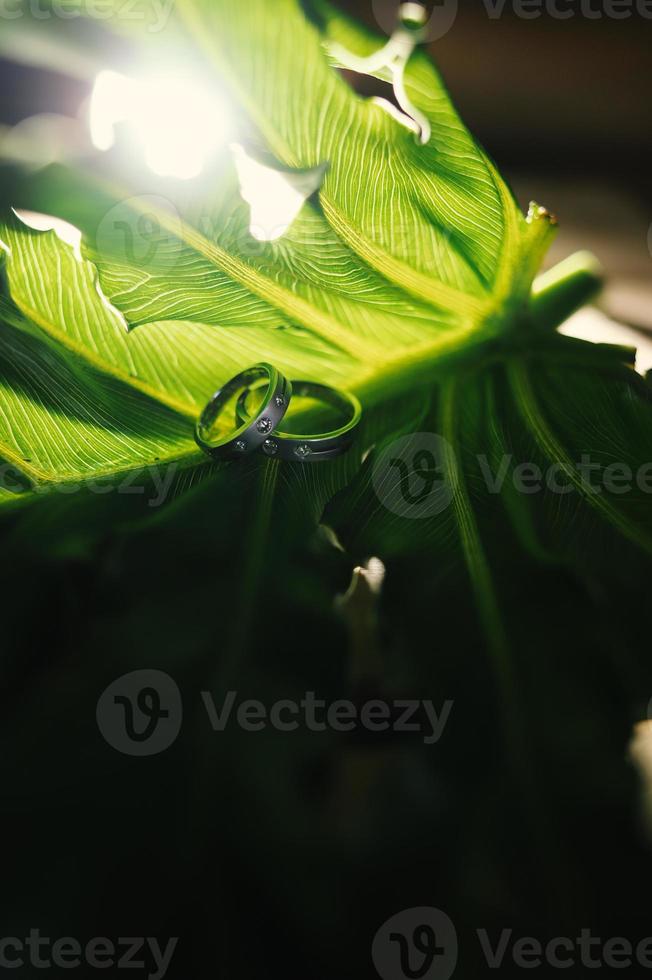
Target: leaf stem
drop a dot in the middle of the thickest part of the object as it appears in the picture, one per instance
(564, 289)
(474, 553)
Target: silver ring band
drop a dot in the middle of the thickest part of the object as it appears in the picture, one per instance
(317, 447)
(251, 433)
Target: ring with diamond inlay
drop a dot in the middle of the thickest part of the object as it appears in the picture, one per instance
(250, 433)
(316, 447)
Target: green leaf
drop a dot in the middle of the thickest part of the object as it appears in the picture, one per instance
(413, 269)
(177, 361)
(62, 422)
(438, 220)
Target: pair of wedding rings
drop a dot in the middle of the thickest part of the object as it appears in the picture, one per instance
(259, 431)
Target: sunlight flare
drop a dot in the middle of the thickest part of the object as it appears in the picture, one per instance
(178, 123)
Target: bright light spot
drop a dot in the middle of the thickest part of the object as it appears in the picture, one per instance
(640, 751)
(109, 105)
(413, 13)
(275, 197)
(374, 572)
(178, 123)
(46, 222)
(366, 585)
(181, 125)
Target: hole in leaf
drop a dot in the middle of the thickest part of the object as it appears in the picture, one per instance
(274, 196)
(64, 231)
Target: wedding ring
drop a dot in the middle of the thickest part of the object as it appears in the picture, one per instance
(250, 433)
(316, 447)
